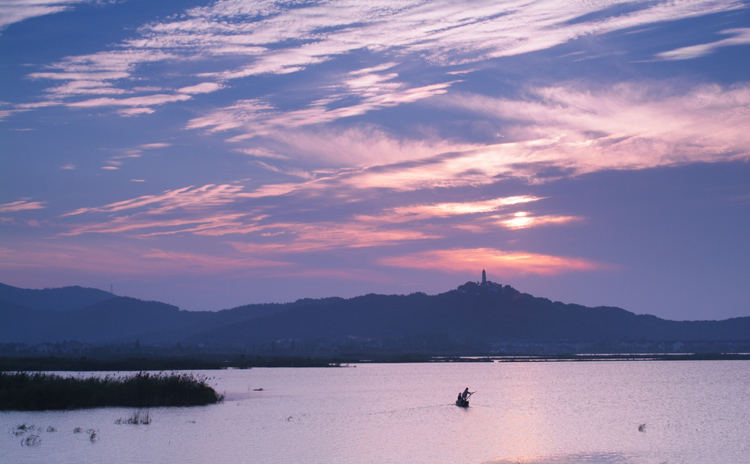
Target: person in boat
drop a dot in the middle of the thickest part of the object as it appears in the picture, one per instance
(459, 399)
(465, 394)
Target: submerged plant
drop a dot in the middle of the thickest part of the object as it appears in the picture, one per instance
(138, 418)
(32, 440)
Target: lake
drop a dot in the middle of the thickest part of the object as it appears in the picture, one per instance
(533, 412)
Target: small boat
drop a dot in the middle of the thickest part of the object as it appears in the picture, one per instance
(463, 398)
(462, 403)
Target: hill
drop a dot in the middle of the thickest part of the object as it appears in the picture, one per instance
(53, 299)
(473, 318)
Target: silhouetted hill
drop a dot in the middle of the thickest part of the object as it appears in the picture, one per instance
(53, 299)
(474, 318)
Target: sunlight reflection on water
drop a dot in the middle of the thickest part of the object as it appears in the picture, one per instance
(522, 413)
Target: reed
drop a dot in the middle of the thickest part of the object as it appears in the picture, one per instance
(38, 391)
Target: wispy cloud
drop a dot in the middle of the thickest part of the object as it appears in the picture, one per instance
(203, 87)
(154, 145)
(131, 112)
(372, 91)
(627, 126)
(526, 220)
(140, 101)
(448, 209)
(359, 146)
(185, 197)
(319, 236)
(739, 36)
(498, 262)
(131, 260)
(14, 11)
(21, 205)
(273, 38)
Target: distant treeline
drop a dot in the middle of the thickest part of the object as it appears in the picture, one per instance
(149, 363)
(156, 363)
(33, 392)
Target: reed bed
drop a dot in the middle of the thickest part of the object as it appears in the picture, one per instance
(38, 391)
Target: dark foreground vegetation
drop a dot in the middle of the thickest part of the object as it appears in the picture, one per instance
(37, 391)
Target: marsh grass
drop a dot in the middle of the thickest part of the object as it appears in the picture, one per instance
(32, 392)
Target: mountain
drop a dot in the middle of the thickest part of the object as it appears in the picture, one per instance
(53, 299)
(474, 318)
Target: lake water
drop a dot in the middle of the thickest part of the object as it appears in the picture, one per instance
(585, 412)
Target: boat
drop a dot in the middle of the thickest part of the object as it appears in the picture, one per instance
(463, 399)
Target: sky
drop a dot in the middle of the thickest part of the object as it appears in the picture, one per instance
(211, 154)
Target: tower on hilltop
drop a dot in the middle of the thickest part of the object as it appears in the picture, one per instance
(484, 277)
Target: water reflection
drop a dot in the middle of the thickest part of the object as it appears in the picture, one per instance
(586, 458)
(524, 413)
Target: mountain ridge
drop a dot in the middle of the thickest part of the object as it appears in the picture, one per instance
(474, 317)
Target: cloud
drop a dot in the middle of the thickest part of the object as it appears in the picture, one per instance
(320, 236)
(740, 36)
(526, 220)
(140, 101)
(359, 146)
(14, 11)
(185, 197)
(203, 87)
(129, 112)
(372, 92)
(552, 132)
(502, 263)
(149, 225)
(131, 260)
(21, 205)
(154, 145)
(626, 126)
(448, 209)
(257, 38)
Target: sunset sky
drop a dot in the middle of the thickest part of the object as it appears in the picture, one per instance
(216, 153)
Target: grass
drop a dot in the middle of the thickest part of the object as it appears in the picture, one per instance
(23, 391)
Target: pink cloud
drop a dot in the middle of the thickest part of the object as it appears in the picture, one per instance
(739, 36)
(447, 209)
(256, 117)
(359, 146)
(498, 262)
(140, 101)
(185, 197)
(20, 205)
(151, 146)
(129, 112)
(131, 261)
(158, 226)
(303, 238)
(203, 87)
(526, 220)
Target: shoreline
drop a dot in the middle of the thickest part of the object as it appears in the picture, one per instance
(134, 364)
